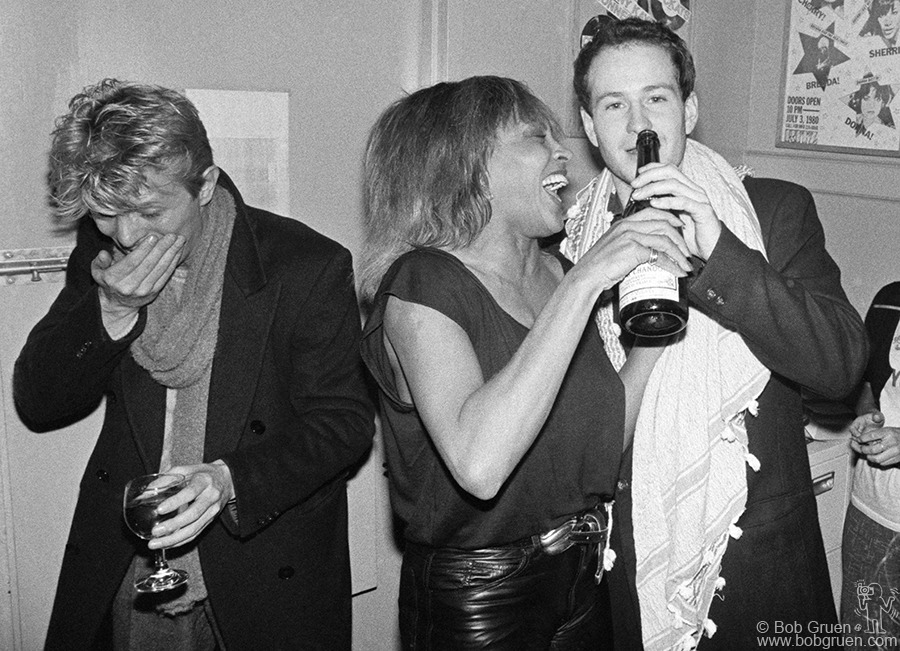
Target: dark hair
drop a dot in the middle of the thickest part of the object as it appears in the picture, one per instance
(114, 131)
(877, 8)
(425, 167)
(881, 7)
(612, 32)
(818, 4)
(884, 92)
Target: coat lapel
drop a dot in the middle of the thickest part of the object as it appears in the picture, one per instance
(249, 304)
(248, 308)
(243, 335)
(145, 406)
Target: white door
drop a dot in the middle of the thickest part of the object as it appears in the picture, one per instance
(40, 471)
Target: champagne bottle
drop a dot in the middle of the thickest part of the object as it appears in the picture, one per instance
(650, 301)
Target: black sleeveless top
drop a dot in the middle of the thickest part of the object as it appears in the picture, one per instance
(572, 465)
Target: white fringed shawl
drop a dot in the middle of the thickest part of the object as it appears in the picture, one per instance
(690, 445)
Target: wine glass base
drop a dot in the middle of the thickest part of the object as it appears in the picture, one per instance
(161, 581)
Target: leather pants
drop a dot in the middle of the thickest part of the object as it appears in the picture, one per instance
(518, 598)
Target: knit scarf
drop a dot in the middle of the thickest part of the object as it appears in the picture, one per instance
(177, 348)
(692, 416)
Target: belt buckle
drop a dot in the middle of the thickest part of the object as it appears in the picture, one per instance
(591, 528)
(556, 541)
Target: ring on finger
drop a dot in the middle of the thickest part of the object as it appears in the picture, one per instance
(654, 256)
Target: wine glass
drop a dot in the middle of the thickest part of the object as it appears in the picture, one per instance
(142, 495)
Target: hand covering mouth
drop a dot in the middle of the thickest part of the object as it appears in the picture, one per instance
(553, 183)
(120, 250)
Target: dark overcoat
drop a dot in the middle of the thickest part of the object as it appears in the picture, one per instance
(288, 412)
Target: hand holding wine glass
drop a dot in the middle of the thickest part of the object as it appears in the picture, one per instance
(207, 489)
(143, 495)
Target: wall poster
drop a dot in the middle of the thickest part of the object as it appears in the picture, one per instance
(671, 13)
(841, 77)
(248, 132)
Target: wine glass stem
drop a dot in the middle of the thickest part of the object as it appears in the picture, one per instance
(160, 560)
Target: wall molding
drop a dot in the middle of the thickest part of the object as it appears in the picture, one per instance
(434, 37)
(858, 177)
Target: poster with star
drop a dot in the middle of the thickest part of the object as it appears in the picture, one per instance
(841, 78)
(674, 14)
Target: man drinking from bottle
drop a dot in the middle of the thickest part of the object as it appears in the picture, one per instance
(718, 498)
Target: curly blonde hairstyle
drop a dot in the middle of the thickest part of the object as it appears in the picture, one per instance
(112, 134)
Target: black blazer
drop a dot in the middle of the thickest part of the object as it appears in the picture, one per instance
(791, 311)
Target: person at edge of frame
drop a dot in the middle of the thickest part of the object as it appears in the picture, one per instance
(869, 549)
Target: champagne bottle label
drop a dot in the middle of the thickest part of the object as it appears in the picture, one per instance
(647, 281)
(652, 302)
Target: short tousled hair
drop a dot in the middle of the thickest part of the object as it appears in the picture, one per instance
(611, 32)
(869, 85)
(425, 168)
(881, 7)
(113, 133)
(877, 8)
(819, 4)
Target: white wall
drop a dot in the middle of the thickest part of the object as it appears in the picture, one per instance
(340, 60)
